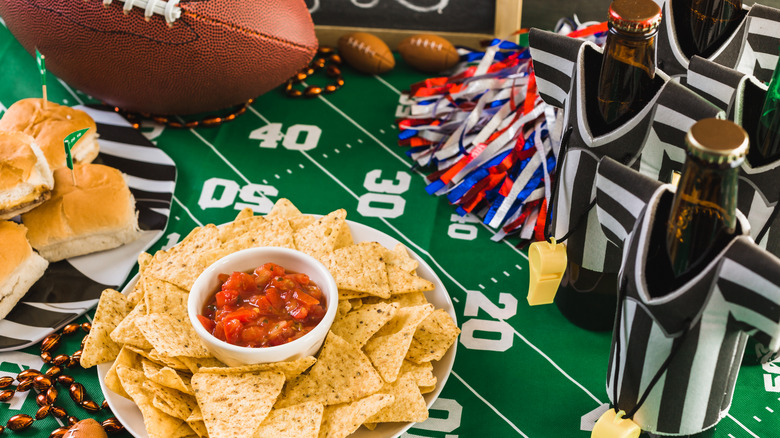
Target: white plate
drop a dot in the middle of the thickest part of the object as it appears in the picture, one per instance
(128, 413)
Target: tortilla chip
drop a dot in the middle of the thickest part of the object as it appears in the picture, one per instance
(137, 294)
(254, 232)
(344, 237)
(403, 300)
(158, 424)
(162, 297)
(370, 426)
(422, 373)
(143, 261)
(194, 364)
(427, 389)
(341, 420)
(174, 403)
(408, 406)
(319, 238)
(345, 295)
(181, 264)
(126, 358)
(283, 207)
(195, 421)
(233, 405)
(388, 347)
(402, 282)
(301, 222)
(244, 213)
(360, 268)
(400, 258)
(434, 336)
(128, 333)
(98, 347)
(291, 369)
(172, 336)
(357, 326)
(196, 415)
(342, 374)
(184, 431)
(343, 308)
(299, 421)
(167, 377)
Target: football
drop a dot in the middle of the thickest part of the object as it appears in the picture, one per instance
(366, 53)
(171, 57)
(428, 53)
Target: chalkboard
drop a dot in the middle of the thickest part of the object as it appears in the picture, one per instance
(463, 22)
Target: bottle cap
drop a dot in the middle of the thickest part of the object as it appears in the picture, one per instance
(634, 16)
(717, 141)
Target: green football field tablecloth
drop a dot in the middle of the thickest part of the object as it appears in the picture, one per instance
(519, 370)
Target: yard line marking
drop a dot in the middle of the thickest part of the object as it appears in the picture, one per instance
(70, 90)
(388, 85)
(428, 255)
(488, 404)
(371, 136)
(181, 204)
(453, 280)
(742, 426)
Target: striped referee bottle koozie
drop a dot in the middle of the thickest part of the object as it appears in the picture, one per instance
(693, 286)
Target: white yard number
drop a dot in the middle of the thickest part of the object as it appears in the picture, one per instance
(297, 138)
(404, 108)
(221, 193)
(384, 199)
(462, 227)
(476, 300)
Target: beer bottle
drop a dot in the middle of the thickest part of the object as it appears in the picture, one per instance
(703, 216)
(766, 145)
(712, 22)
(628, 65)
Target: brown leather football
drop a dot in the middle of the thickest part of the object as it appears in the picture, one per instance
(167, 57)
(428, 53)
(366, 53)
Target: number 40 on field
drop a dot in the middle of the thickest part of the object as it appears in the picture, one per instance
(297, 137)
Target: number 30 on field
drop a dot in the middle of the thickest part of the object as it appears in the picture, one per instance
(383, 199)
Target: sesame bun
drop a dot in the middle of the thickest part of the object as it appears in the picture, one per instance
(49, 127)
(20, 266)
(25, 177)
(96, 214)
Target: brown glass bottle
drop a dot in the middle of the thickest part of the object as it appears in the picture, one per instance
(703, 216)
(712, 22)
(628, 64)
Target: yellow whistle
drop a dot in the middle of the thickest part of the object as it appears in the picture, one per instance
(547, 261)
(611, 424)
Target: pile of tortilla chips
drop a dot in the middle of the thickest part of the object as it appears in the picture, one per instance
(373, 367)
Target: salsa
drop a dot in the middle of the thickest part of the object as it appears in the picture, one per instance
(266, 307)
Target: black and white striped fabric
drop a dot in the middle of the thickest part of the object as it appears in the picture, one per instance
(652, 142)
(707, 319)
(752, 49)
(71, 287)
(741, 95)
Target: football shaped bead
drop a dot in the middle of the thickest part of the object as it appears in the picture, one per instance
(428, 53)
(366, 53)
(167, 56)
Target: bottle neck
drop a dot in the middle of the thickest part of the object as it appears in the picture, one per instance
(703, 216)
(767, 146)
(626, 78)
(711, 23)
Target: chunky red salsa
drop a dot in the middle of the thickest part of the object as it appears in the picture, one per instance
(264, 308)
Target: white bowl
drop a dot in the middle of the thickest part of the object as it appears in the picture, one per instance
(246, 261)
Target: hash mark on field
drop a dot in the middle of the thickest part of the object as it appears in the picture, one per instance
(381, 131)
(336, 151)
(455, 299)
(300, 165)
(392, 125)
(742, 426)
(756, 418)
(493, 280)
(349, 146)
(360, 140)
(731, 436)
(519, 268)
(506, 273)
(481, 287)
(289, 171)
(265, 181)
(770, 409)
(324, 155)
(277, 176)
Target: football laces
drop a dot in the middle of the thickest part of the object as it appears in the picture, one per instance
(169, 9)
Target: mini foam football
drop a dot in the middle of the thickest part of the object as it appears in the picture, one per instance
(366, 53)
(428, 53)
(167, 57)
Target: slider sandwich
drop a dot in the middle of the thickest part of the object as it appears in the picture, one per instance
(50, 126)
(95, 214)
(25, 178)
(20, 266)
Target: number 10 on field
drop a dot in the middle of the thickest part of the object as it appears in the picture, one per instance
(296, 138)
